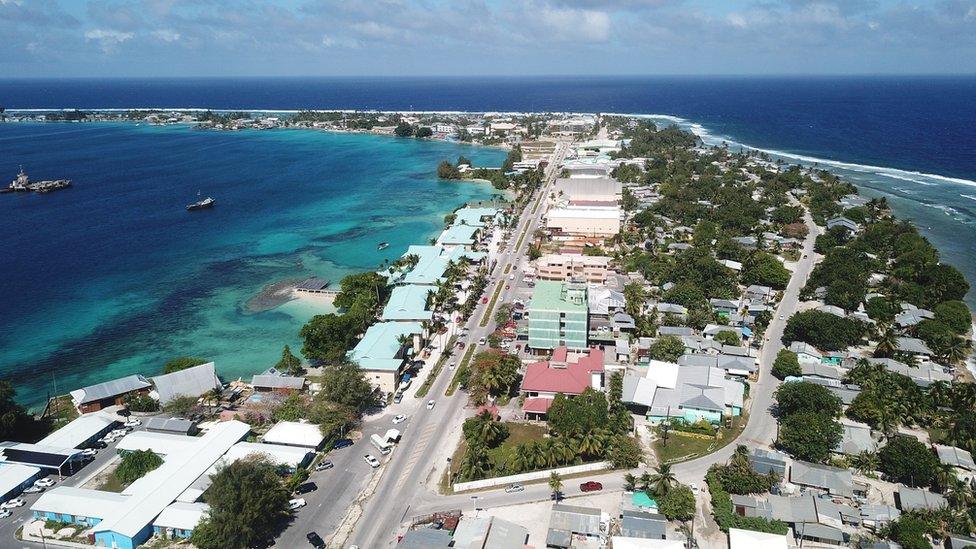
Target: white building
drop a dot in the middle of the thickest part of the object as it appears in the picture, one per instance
(593, 221)
(295, 433)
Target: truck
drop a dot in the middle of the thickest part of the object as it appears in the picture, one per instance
(381, 444)
(392, 436)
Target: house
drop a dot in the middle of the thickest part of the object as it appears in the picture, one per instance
(765, 461)
(278, 384)
(110, 393)
(806, 353)
(604, 302)
(909, 499)
(172, 425)
(833, 310)
(725, 306)
(844, 223)
(476, 217)
(295, 433)
(923, 375)
(813, 518)
(179, 518)
(913, 317)
(671, 308)
(729, 264)
(957, 541)
(558, 316)
(960, 460)
(289, 457)
(913, 346)
(748, 539)
(385, 350)
(644, 525)
(832, 480)
(425, 538)
(875, 516)
(692, 393)
(432, 262)
(487, 532)
(569, 521)
(677, 331)
(463, 237)
(193, 382)
(564, 374)
(755, 292)
(568, 267)
(856, 438)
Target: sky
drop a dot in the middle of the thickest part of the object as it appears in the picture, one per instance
(166, 38)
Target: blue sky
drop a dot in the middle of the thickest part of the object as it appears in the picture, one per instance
(484, 37)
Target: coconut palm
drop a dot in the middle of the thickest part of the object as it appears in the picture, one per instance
(564, 451)
(740, 457)
(555, 484)
(591, 443)
(630, 482)
(644, 482)
(865, 462)
(663, 480)
(887, 341)
(957, 351)
(475, 462)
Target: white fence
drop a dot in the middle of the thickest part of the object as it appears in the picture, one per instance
(535, 475)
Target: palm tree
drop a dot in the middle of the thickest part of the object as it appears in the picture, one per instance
(957, 351)
(887, 341)
(555, 484)
(475, 463)
(740, 458)
(865, 462)
(630, 482)
(645, 481)
(591, 443)
(663, 480)
(565, 454)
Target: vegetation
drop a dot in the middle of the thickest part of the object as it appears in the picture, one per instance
(908, 461)
(667, 348)
(725, 514)
(806, 413)
(182, 363)
(247, 502)
(289, 363)
(136, 464)
(678, 503)
(764, 269)
(137, 402)
(15, 423)
(823, 330)
(786, 364)
(329, 337)
(494, 373)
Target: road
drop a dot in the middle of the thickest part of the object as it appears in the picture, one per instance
(411, 465)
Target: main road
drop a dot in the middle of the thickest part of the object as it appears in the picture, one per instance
(410, 468)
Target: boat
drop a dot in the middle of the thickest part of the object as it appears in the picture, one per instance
(382, 245)
(23, 184)
(204, 204)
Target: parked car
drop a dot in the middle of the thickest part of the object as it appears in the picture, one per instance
(342, 443)
(512, 488)
(399, 419)
(4, 513)
(591, 486)
(33, 490)
(99, 445)
(397, 398)
(306, 487)
(89, 452)
(482, 341)
(296, 503)
(323, 465)
(315, 539)
(373, 462)
(44, 482)
(484, 300)
(133, 423)
(430, 404)
(16, 502)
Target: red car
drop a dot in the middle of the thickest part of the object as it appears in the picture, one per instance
(591, 486)
(484, 299)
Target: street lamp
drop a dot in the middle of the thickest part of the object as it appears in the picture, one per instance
(474, 500)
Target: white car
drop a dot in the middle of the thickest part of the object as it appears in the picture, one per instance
(133, 423)
(512, 488)
(373, 462)
(16, 502)
(482, 341)
(399, 419)
(511, 277)
(44, 482)
(89, 452)
(430, 404)
(5, 513)
(33, 490)
(296, 503)
(781, 317)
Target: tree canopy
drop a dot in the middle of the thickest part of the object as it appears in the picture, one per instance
(823, 330)
(809, 436)
(182, 363)
(908, 461)
(136, 464)
(786, 364)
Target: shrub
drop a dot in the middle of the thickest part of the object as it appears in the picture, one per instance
(726, 517)
(786, 364)
(678, 503)
(135, 464)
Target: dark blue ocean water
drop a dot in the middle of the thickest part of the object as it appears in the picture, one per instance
(112, 277)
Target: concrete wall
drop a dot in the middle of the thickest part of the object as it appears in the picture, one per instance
(535, 475)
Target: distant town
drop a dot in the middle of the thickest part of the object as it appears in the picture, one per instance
(644, 342)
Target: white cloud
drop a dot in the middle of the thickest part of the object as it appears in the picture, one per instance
(166, 35)
(372, 29)
(109, 39)
(589, 25)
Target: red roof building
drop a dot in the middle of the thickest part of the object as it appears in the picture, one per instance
(560, 374)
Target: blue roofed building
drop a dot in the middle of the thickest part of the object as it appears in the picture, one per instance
(476, 217)
(383, 354)
(432, 262)
(408, 303)
(460, 236)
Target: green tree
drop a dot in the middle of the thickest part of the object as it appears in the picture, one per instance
(181, 406)
(484, 429)
(289, 362)
(423, 132)
(328, 337)
(678, 503)
(137, 402)
(555, 483)
(823, 330)
(136, 464)
(764, 269)
(182, 363)
(625, 452)
(802, 396)
(666, 348)
(954, 314)
(582, 414)
(809, 436)
(345, 384)
(728, 337)
(403, 129)
(663, 480)
(247, 504)
(786, 364)
(908, 461)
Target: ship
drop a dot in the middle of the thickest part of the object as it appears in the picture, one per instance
(382, 245)
(204, 204)
(22, 184)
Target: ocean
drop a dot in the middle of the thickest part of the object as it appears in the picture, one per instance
(114, 276)
(89, 302)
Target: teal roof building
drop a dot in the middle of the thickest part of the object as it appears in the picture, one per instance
(475, 217)
(432, 263)
(408, 303)
(558, 316)
(380, 348)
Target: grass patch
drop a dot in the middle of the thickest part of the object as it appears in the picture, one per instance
(682, 448)
(462, 366)
(491, 304)
(445, 356)
(517, 434)
(508, 268)
(112, 484)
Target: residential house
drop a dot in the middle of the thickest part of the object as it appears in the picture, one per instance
(564, 373)
(693, 393)
(569, 521)
(832, 480)
(584, 221)
(192, 382)
(960, 460)
(385, 350)
(109, 393)
(569, 267)
(410, 303)
(764, 461)
(806, 353)
(909, 499)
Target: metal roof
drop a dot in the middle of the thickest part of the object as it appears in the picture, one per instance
(278, 382)
(159, 443)
(79, 431)
(578, 520)
(83, 502)
(192, 382)
(109, 389)
(172, 424)
(14, 475)
(294, 433)
(181, 515)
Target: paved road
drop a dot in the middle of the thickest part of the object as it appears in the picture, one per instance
(411, 466)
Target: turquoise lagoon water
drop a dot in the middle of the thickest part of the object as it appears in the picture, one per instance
(114, 277)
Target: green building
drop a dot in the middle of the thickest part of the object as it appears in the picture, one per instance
(558, 316)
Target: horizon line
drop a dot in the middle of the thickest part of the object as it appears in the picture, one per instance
(504, 76)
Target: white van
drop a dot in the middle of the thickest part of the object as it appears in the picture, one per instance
(381, 444)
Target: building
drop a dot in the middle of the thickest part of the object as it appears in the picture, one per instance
(587, 191)
(558, 316)
(432, 262)
(14, 478)
(960, 460)
(592, 221)
(178, 519)
(163, 444)
(567, 267)
(385, 350)
(693, 393)
(81, 432)
(909, 499)
(748, 539)
(50, 459)
(569, 521)
(110, 393)
(644, 525)
(410, 303)
(295, 433)
(464, 237)
(563, 374)
(193, 382)
(171, 425)
(125, 520)
(278, 384)
(806, 353)
(489, 532)
(291, 457)
(476, 217)
(832, 480)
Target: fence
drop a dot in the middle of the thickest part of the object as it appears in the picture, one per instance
(535, 475)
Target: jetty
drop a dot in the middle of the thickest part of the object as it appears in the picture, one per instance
(22, 184)
(316, 285)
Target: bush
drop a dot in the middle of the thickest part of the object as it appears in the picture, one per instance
(803, 396)
(786, 364)
(908, 461)
(625, 452)
(823, 330)
(140, 403)
(726, 516)
(135, 464)
(743, 480)
(678, 503)
(667, 348)
(182, 363)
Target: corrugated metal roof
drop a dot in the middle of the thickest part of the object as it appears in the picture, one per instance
(78, 431)
(109, 389)
(192, 382)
